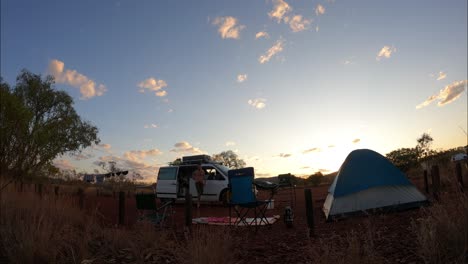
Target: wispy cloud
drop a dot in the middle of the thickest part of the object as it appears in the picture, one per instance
(331, 146)
(349, 61)
(241, 78)
(297, 23)
(319, 10)
(278, 47)
(63, 164)
(280, 9)
(105, 146)
(151, 126)
(311, 150)
(139, 155)
(153, 84)
(284, 155)
(262, 34)
(88, 88)
(357, 140)
(258, 103)
(230, 143)
(385, 52)
(228, 27)
(185, 147)
(447, 95)
(441, 76)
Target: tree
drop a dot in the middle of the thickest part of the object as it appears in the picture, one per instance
(315, 179)
(404, 158)
(230, 159)
(424, 146)
(37, 124)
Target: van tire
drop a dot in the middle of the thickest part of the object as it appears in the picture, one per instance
(223, 197)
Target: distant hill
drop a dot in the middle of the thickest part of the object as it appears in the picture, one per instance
(301, 181)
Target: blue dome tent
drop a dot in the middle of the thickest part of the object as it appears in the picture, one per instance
(367, 180)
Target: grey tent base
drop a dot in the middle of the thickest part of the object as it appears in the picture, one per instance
(381, 210)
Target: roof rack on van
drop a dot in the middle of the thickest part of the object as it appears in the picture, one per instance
(196, 159)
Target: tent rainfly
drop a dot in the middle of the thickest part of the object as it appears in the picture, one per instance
(367, 180)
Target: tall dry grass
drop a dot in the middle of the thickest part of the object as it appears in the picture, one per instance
(352, 248)
(211, 245)
(442, 231)
(55, 230)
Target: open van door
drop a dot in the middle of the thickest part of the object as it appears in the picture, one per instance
(166, 187)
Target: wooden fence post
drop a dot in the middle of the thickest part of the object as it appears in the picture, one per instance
(458, 170)
(81, 198)
(309, 211)
(121, 208)
(39, 189)
(56, 190)
(188, 209)
(435, 181)
(426, 184)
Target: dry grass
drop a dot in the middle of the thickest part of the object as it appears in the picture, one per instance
(352, 248)
(442, 232)
(51, 230)
(211, 245)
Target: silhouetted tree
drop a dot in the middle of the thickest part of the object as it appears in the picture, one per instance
(230, 159)
(404, 158)
(38, 123)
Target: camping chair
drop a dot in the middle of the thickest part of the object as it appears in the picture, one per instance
(243, 198)
(157, 215)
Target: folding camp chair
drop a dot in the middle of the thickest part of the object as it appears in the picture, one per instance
(149, 211)
(243, 199)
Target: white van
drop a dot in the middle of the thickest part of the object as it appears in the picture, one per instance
(171, 179)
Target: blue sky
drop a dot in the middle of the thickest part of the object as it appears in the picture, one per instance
(291, 86)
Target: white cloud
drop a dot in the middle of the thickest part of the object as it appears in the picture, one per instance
(258, 103)
(88, 88)
(241, 78)
(228, 27)
(151, 126)
(262, 34)
(317, 28)
(63, 164)
(153, 84)
(185, 147)
(447, 95)
(297, 23)
(279, 11)
(385, 52)
(230, 143)
(441, 76)
(319, 10)
(278, 47)
(170, 110)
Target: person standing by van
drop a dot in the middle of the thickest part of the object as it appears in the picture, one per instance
(199, 178)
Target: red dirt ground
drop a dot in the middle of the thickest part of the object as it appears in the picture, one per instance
(391, 233)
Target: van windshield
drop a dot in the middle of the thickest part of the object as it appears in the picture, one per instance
(222, 168)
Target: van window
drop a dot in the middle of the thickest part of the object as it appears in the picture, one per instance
(168, 173)
(212, 174)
